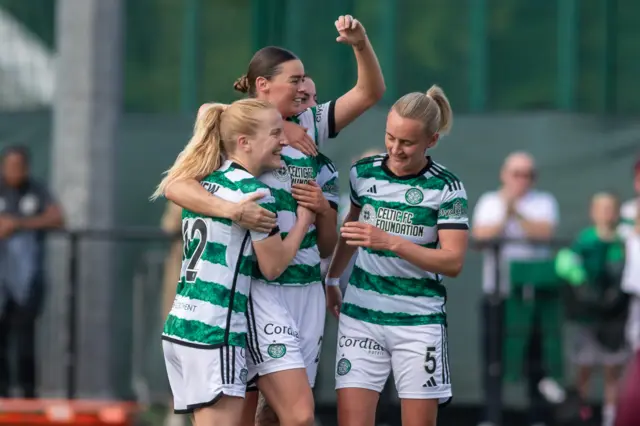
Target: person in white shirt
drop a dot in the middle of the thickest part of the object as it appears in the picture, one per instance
(629, 229)
(515, 211)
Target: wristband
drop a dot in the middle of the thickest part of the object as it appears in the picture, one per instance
(332, 282)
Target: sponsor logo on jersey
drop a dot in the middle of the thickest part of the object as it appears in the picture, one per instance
(391, 220)
(456, 211)
(282, 174)
(368, 345)
(301, 174)
(211, 187)
(272, 329)
(183, 306)
(343, 367)
(331, 189)
(276, 350)
(319, 112)
(414, 196)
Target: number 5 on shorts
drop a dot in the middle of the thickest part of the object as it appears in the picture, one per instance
(430, 363)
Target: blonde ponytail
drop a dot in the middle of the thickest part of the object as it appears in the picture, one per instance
(446, 114)
(203, 154)
(432, 109)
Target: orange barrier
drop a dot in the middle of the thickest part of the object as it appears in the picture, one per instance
(63, 412)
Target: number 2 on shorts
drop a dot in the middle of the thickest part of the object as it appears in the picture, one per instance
(198, 226)
(430, 363)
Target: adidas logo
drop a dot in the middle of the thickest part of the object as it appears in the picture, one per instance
(372, 190)
(430, 383)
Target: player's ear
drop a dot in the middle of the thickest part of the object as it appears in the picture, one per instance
(262, 84)
(433, 140)
(243, 143)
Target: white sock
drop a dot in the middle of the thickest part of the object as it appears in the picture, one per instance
(608, 415)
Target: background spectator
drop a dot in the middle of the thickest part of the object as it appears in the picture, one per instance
(26, 210)
(515, 211)
(596, 305)
(629, 229)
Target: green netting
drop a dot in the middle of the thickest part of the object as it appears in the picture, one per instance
(499, 54)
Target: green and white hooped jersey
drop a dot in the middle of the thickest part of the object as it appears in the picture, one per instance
(301, 168)
(384, 288)
(320, 122)
(211, 298)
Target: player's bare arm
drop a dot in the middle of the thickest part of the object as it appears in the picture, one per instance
(370, 86)
(341, 258)
(190, 195)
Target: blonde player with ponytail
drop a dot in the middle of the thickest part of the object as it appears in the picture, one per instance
(408, 220)
(204, 337)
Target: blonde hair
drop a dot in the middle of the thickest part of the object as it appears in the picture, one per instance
(215, 133)
(604, 195)
(432, 109)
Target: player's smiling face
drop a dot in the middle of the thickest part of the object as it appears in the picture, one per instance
(285, 90)
(267, 143)
(406, 143)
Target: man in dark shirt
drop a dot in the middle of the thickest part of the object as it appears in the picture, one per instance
(26, 211)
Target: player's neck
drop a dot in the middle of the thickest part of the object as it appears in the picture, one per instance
(605, 232)
(409, 170)
(251, 168)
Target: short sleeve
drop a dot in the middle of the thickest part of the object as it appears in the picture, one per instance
(353, 186)
(327, 179)
(489, 210)
(267, 202)
(324, 121)
(452, 213)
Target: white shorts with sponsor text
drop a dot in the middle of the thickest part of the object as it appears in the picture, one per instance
(418, 356)
(285, 328)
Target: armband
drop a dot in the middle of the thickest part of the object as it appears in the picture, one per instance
(332, 282)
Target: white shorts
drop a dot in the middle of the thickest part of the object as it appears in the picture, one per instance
(585, 350)
(367, 353)
(200, 377)
(285, 330)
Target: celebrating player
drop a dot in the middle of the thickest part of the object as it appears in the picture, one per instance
(205, 332)
(286, 316)
(409, 219)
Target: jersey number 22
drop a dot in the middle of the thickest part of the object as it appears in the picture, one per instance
(197, 229)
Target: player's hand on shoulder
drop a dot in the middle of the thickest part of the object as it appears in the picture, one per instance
(333, 295)
(251, 216)
(305, 215)
(298, 138)
(350, 30)
(364, 235)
